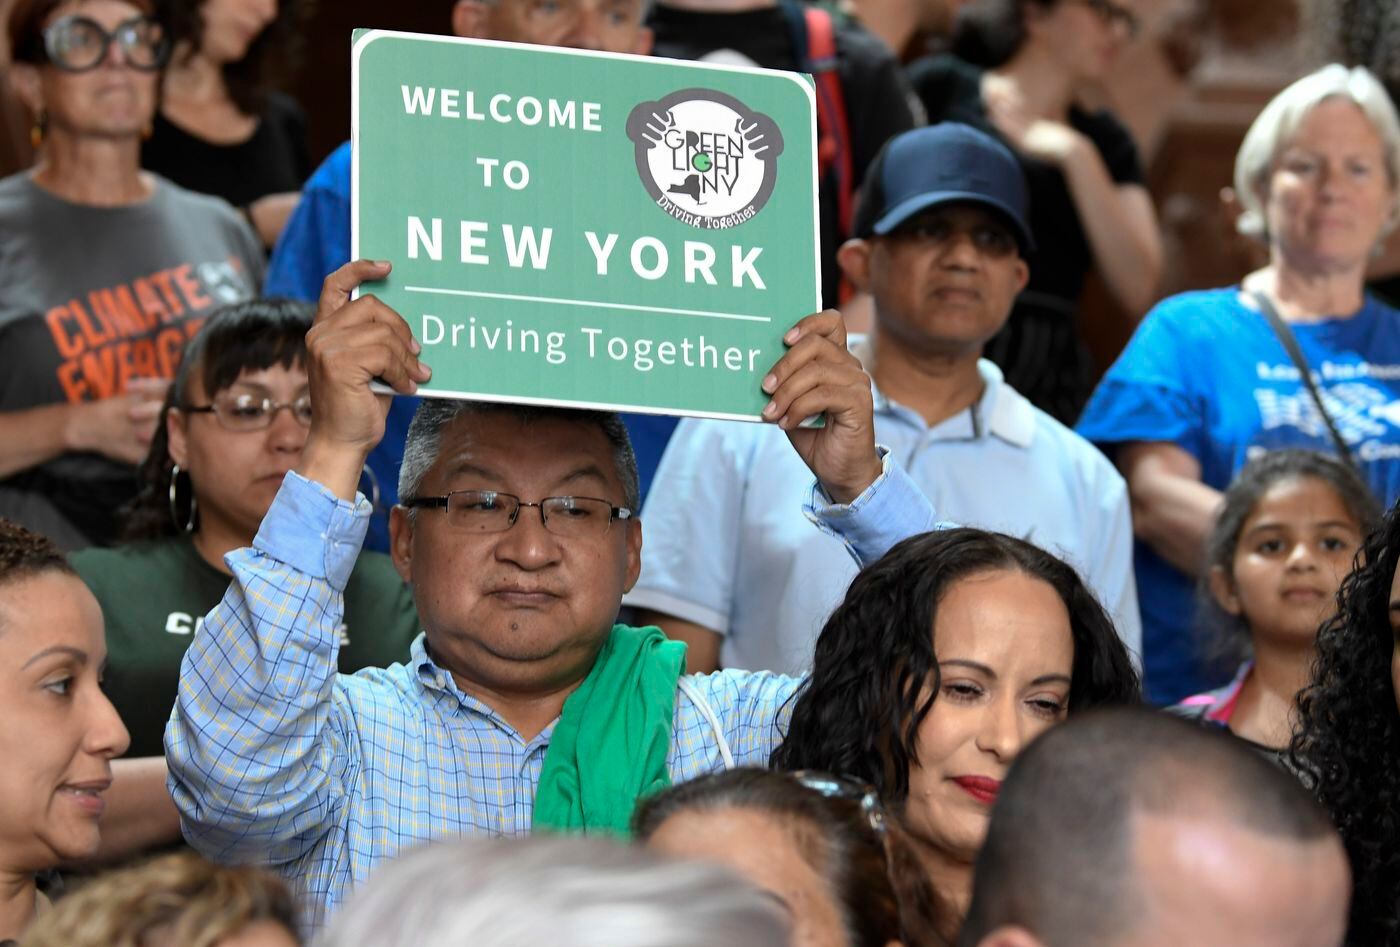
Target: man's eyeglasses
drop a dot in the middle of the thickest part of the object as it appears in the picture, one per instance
(77, 43)
(840, 787)
(244, 412)
(486, 511)
(1116, 15)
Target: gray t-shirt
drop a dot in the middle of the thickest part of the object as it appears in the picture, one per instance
(91, 297)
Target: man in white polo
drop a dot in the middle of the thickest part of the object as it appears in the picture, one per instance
(733, 568)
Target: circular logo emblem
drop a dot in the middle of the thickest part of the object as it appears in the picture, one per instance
(705, 157)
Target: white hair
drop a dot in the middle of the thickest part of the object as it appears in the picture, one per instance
(554, 891)
(1279, 121)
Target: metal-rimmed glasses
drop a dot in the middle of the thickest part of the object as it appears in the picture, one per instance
(79, 43)
(850, 790)
(487, 511)
(245, 412)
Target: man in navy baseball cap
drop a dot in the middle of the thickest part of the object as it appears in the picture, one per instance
(940, 245)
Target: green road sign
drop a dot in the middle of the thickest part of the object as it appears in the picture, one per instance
(586, 229)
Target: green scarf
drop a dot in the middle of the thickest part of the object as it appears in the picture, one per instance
(610, 745)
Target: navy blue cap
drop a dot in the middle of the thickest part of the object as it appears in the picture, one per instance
(942, 164)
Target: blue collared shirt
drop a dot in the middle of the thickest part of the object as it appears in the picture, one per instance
(276, 759)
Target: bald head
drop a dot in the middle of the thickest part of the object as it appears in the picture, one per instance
(1129, 828)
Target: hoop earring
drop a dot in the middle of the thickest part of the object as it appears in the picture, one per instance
(189, 523)
(39, 129)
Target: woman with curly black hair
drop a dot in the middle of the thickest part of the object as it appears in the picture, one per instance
(223, 128)
(1348, 742)
(947, 656)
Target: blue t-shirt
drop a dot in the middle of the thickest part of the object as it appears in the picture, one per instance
(1207, 373)
(316, 243)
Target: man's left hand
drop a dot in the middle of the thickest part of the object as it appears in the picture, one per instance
(819, 375)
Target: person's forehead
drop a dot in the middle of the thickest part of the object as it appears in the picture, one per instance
(515, 450)
(106, 12)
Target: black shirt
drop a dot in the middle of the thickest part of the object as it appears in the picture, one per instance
(877, 97)
(272, 161)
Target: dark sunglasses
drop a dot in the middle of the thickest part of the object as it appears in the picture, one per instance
(79, 44)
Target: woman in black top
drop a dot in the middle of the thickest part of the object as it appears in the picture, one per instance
(222, 129)
(1024, 62)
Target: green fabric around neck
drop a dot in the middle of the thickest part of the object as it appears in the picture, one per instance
(610, 745)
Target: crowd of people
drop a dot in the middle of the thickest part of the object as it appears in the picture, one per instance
(286, 660)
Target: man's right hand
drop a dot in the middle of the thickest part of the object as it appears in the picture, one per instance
(351, 344)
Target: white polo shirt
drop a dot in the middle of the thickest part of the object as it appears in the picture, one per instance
(726, 544)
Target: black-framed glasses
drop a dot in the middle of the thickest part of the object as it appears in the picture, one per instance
(1116, 15)
(487, 511)
(78, 43)
(245, 412)
(841, 787)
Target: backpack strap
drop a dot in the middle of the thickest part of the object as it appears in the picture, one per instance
(814, 39)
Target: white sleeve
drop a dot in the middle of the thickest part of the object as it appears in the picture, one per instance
(692, 522)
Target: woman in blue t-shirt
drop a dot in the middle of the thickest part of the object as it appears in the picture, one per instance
(1206, 383)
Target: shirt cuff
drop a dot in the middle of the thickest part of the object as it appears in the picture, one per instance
(314, 531)
(891, 509)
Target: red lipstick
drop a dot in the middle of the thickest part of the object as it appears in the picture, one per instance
(982, 788)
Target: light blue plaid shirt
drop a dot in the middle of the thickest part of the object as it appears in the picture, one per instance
(276, 759)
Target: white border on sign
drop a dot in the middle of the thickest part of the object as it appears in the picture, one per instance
(369, 36)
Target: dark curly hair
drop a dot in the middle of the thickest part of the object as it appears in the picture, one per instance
(25, 553)
(1347, 746)
(1226, 638)
(272, 57)
(242, 337)
(874, 677)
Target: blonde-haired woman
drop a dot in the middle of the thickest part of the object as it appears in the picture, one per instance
(1208, 380)
(177, 900)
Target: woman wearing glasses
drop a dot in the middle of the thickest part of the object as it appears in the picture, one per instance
(234, 422)
(948, 655)
(107, 270)
(822, 845)
(1020, 68)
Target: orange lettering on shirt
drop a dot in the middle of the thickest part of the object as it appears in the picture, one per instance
(150, 300)
(194, 294)
(68, 343)
(95, 334)
(99, 368)
(162, 279)
(75, 387)
(122, 322)
(169, 346)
